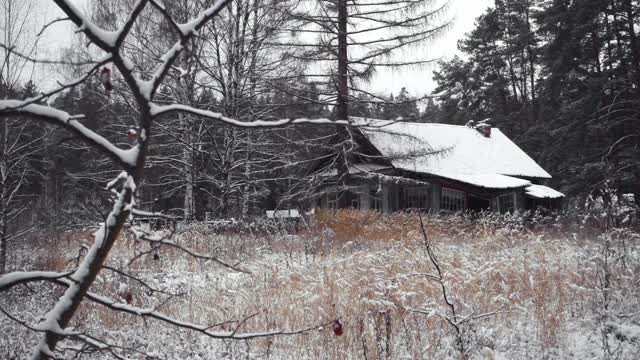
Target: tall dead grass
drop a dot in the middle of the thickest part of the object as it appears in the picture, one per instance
(526, 291)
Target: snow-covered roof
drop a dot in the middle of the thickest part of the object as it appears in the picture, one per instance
(451, 151)
(543, 192)
(493, 181)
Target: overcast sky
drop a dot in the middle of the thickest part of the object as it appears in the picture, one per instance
(418, 81)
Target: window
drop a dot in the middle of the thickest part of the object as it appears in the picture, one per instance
(355, 201)
(452, 200)
(506, 202)
(376, 199)
(332, 201)
(416, 197)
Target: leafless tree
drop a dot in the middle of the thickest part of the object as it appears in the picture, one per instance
(111, 56)
(233, 67)
(350, 42)
(17, 142)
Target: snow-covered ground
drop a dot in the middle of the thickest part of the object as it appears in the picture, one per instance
(519, 292)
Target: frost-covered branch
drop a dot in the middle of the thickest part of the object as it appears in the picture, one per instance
(10, 280)
(128, 24)
(153, 313)
(34, 60)
(93, 344)
(81, 280)
(159, 110)
(163, 240)
(106, 40)
(140, 281)
(186, 32)
(125, 158)
(202, 329)
(61, 86)
(56, 324)
(452, 319)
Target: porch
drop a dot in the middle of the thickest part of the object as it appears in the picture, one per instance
(430, 196)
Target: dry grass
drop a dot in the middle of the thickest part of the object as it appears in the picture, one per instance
(369, 270)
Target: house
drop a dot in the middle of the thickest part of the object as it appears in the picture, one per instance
(433, 167)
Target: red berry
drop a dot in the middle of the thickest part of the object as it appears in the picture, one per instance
(132, 134)
(337, 328)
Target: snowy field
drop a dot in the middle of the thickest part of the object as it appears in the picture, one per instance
(549, 291)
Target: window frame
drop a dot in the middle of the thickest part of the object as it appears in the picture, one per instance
(419, 194)
(355, 201)
(453, 203)
(375, 201)
(332, 201)
(512, 198)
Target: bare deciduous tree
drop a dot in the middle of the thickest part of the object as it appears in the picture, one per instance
(350, 42)
(17, 142)
(109, 45)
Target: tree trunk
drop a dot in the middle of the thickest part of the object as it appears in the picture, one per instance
(633, 42)
(342, 111)
(532, 69)
(3, 244)
(247, 173)
(4, 206)
(66, 307)
(189, 197)
(187, 161)
(4, 238)
(619, 40)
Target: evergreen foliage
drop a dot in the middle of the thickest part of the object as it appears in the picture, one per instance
(562, 78)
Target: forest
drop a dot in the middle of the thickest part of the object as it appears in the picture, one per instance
(561, 77)
(203, 114)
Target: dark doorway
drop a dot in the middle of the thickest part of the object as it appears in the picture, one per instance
(476, 203)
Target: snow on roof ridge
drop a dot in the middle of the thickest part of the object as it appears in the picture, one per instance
(391, 122)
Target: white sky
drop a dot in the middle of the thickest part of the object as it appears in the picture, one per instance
(417, 80)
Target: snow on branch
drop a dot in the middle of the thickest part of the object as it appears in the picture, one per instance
(109, 41)
(81, 279)
(31, 59)
(158, 110)
(128, 24)
(106, 40)
(152, 313)
(162, 240)
(192, 27)
(186, 32)
(163, 10)
(94, 343)
(141, 282)
(12, 279)
(125, 157)
(64, 86)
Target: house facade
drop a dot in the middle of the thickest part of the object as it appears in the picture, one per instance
(437, 167)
